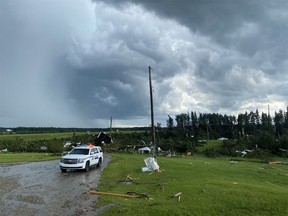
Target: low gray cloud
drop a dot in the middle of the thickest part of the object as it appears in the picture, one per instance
(72, 64)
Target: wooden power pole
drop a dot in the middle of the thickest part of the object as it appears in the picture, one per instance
(152, 115)
(111, 127)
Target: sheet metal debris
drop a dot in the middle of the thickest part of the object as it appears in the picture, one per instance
(151, 165)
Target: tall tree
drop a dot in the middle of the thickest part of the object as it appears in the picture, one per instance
(170, 122)
(279, 121)
(258, 120)
(182, 120)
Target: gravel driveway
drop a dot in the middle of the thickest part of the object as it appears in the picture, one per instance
(40, 188)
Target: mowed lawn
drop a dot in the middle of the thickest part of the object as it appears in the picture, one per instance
(11, 157)
(36, 136)
(209, 186)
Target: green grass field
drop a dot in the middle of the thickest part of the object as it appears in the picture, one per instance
(211, 144)
(67, 135)
(209, 186)
(26, 157)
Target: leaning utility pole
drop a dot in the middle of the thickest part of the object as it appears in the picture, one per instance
(152, 115)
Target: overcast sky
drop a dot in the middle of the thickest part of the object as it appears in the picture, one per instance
(76, 63)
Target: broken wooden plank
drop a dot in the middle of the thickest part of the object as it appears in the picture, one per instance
(275, 162)
(113, 194)
(128, 195)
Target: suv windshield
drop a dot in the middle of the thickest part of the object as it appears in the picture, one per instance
(80, 151)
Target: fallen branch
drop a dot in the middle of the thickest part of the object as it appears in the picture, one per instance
(128, 195)
(112, 194)
(128, 178)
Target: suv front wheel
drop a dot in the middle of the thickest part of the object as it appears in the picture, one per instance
(87, 166)
(99, 162)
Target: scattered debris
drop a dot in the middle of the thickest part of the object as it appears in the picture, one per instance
(245, 152)
(103, 138)
(151, 165)
(169, 153)
(138, 195)
(43, 148)
(9, 130)
(112, 194)
(144, 150)
(145, 169)
(177, 195)
(67, 144)
(202, 141)
(233, 162)
(4, 150)
(127, 195)
(128, 178)
(275, 162)
(284, 150)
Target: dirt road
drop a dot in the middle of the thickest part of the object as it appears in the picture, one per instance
(40, 189)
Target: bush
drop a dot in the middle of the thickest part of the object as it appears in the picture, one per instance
(211, 153)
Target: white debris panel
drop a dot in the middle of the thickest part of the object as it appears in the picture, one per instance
(151, 164)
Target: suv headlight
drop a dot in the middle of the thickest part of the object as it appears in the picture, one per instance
(80, 160)
(61, 160)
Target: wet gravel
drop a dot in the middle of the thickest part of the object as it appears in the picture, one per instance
(40, 189)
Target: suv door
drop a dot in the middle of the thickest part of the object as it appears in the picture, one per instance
(94, 152)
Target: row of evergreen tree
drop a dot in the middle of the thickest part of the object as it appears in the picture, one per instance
(215, 125)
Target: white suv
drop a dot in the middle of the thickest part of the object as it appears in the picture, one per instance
(82, 157)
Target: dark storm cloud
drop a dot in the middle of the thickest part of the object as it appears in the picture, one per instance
(251, 38)
(72, 63)
(111, 73)
(248, 26)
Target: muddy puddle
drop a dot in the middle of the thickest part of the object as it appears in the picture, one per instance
(40, 188)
